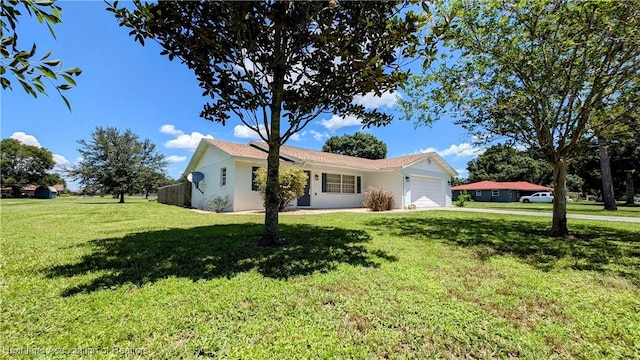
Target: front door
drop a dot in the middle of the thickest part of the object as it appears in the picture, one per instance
(305, 200)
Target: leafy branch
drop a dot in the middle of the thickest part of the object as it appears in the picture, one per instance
(32, 75)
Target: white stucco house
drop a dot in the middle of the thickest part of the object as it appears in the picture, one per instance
(335, 181)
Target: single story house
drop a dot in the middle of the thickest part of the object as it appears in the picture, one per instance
(498, 191)
(29, 190)
(335, 181)
(6, 192)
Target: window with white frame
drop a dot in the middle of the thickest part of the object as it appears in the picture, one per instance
(332, 183)
(478, 192)
(495, 192)
(348, 184)
(341, 184)
(223, 176)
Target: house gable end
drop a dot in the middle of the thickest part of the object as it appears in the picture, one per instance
(432, 162)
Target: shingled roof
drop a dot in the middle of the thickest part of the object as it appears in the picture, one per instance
(258, 150)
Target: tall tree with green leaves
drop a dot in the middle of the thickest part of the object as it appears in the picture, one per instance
(21, 64)
(359, 145)
(503, 162)
(534, 72)
(115, 162)
(614, 125)
(277, 65)
(22, 164)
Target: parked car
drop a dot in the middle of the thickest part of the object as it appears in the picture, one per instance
(545, 197)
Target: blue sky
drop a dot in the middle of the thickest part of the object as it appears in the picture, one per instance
(126, 85)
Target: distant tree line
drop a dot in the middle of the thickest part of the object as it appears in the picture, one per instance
(113, 162)
(22, 165)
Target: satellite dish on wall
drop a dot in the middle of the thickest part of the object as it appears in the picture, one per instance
(195, 177)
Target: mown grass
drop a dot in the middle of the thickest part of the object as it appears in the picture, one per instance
(171, 283)
(582, 207)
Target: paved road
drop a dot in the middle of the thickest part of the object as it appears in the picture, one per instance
(548, 214)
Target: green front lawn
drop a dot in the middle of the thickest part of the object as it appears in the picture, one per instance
(165, 282)
(581, 207)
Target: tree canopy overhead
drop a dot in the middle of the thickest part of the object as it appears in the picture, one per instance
(116, 162)
(534, 72)
(359, 144)
(277, 65)
(32, 75)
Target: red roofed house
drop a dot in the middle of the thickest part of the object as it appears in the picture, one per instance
(335, 181)
(29, 190)
(498, 191)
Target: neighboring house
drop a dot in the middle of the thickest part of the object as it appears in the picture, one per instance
(335, 181)
(6, 192)
(29, 190)
(59, 188)
(498, 191)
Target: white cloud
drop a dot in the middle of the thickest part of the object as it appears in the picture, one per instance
(186, 142)
(60, 160)
(170, 129)
(463, 173)
(319, 136)
(297, 136)
(182, 140)
(25, 138)
(371, 101)
(459, 151)
(430, 149)
(337, 122)
(176, 158)
(463, 150)
(244, 132)
(61, 163)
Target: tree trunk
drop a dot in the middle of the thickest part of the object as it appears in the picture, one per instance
(607, 181)
(121, 198)
(559, 223)
(271, 235)
(630, 189)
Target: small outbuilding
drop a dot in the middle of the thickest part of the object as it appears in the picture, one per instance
(46, 192)
(497, 191)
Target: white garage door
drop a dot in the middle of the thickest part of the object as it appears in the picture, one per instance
(426, 192)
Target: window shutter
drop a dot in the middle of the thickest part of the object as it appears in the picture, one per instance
(359, 185)
(324, 182)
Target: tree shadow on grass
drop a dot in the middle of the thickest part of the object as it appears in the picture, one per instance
(602, 249)
(220, 251)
